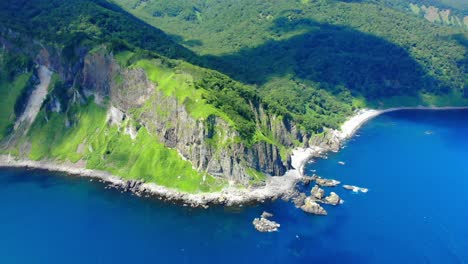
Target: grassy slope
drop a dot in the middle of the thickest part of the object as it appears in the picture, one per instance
(180, 84)
(108, 148)
(9, 93)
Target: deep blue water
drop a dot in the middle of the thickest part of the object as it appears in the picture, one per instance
(415, 212)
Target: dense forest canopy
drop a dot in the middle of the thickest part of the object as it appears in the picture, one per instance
(314, 61)
(320, 41)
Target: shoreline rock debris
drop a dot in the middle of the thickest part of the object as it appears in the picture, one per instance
(312, 207)
(317, 192)
(327, 182)
(333, 199)
(263, 224)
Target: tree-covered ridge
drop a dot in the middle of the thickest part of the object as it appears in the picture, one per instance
(83, 24)
(236, 29)
(449, 12)
(77, 26)
(312, 61)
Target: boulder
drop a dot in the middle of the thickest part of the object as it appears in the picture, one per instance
(306, 180)
(312, 207)
(317, 192)
(299, 200)
(265, 225)
(333, 199)
(327, 182)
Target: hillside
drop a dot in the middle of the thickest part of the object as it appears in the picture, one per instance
(442, 12)
(114, 104)
(199, 95)
(367, 49)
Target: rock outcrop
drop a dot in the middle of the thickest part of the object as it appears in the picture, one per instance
(96, 74)
(317, 192)
(299, 200)
(333, 199)
(312, 207)
(262, 224)
(327, 182)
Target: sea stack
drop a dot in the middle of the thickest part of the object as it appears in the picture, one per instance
(333, 199)
(262, 224)
(317, 192)
(312, 207)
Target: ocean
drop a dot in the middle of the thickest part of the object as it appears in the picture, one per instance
(414, 163)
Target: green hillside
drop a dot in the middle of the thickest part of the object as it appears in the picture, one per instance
(249, 79)
(365, 49)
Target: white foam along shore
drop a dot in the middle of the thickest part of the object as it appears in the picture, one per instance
(362, 116)
(275, 187)
(301, 155)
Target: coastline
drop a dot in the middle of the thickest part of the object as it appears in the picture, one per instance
(276, 186)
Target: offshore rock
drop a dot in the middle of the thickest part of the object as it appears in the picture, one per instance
(327, 182)
(306, 180)
(317, 192)
(262, 224)
(299, 200)
(333, 199)
(312, 207)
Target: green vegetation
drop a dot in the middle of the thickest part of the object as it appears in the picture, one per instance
(421, 100)
(203, 92)
(311, 62)
(258, 178)
(88, 137)
(178, 83)
(77, 24)
(310, 58)
(13, 84)
(304, 60)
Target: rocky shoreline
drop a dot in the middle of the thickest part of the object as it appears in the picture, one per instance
(276, 186)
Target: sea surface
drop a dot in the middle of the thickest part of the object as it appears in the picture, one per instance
(415, 164)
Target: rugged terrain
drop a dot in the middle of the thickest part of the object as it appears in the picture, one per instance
(88, 86)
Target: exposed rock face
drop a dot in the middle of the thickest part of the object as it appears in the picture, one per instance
(306, 180)
(333, 199)
(262, 224)
(312, 207)
(299, 200)
(327, 182)
(317, 192)
(170, 121)
(329, 140)
(97, 74)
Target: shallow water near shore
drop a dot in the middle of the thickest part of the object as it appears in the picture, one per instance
(415, 164)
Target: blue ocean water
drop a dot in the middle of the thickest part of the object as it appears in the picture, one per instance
(415, 164)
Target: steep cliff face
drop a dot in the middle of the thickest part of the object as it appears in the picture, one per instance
(210, 144)
(138, 98)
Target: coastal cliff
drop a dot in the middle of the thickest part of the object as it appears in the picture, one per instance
(153, 97)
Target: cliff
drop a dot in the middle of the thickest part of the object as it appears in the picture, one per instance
(146, 98)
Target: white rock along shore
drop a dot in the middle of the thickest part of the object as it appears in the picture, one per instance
(276, 186)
